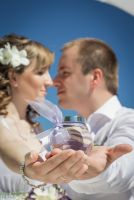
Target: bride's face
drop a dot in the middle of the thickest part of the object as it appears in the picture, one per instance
(32, 83)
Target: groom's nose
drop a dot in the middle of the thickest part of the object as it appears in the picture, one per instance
(56, 81)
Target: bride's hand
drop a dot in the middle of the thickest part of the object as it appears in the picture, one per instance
(59, 167)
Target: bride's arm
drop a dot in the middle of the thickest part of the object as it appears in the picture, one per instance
(12, 149)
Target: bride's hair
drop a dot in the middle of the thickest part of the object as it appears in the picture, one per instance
(33, 50)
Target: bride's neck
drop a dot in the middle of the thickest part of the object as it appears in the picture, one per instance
(17, 109)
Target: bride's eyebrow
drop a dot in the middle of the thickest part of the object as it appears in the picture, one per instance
(47, 67)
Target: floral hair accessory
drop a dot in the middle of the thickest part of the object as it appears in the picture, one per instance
(13, 56)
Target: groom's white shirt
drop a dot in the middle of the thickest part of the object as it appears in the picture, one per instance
(110, 125)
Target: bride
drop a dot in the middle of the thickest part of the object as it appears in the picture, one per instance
(24, 75)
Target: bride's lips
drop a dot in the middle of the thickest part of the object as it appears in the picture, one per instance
(44, 91)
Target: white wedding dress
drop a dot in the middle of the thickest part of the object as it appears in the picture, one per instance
(11, 183)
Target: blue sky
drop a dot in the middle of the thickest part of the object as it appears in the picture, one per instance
(56, 22)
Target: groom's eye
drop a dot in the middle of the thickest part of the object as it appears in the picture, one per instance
(65, 74)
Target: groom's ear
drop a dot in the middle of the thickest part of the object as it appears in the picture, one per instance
(96, 77)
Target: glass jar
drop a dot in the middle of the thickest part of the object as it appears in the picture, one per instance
(73, 134)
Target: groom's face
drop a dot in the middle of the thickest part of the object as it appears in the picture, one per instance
(72, 85)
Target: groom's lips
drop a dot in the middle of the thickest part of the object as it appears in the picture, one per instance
(60, 92)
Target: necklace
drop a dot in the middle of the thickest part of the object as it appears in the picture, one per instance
(27, 133)
(22, 128)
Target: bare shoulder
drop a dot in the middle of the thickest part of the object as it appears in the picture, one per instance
(7, 131)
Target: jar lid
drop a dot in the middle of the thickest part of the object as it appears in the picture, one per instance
(74, 119)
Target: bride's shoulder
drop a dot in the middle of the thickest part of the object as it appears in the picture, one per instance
(4, 131)
(7, 130)
(3, 120)
(5, 123)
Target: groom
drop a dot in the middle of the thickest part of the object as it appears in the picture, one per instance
(87, 82)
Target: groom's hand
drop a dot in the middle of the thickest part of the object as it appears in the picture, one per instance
(101, 157)
(117, 151)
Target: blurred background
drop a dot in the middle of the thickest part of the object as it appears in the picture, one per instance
(56, 22)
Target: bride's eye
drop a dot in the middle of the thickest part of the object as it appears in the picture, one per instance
(41, 71)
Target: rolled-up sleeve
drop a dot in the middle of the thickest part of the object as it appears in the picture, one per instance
(119, 176)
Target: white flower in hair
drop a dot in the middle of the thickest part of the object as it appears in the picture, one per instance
(11, 55)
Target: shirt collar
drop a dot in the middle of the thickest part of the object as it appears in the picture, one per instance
(104, 114)
(109, 108)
